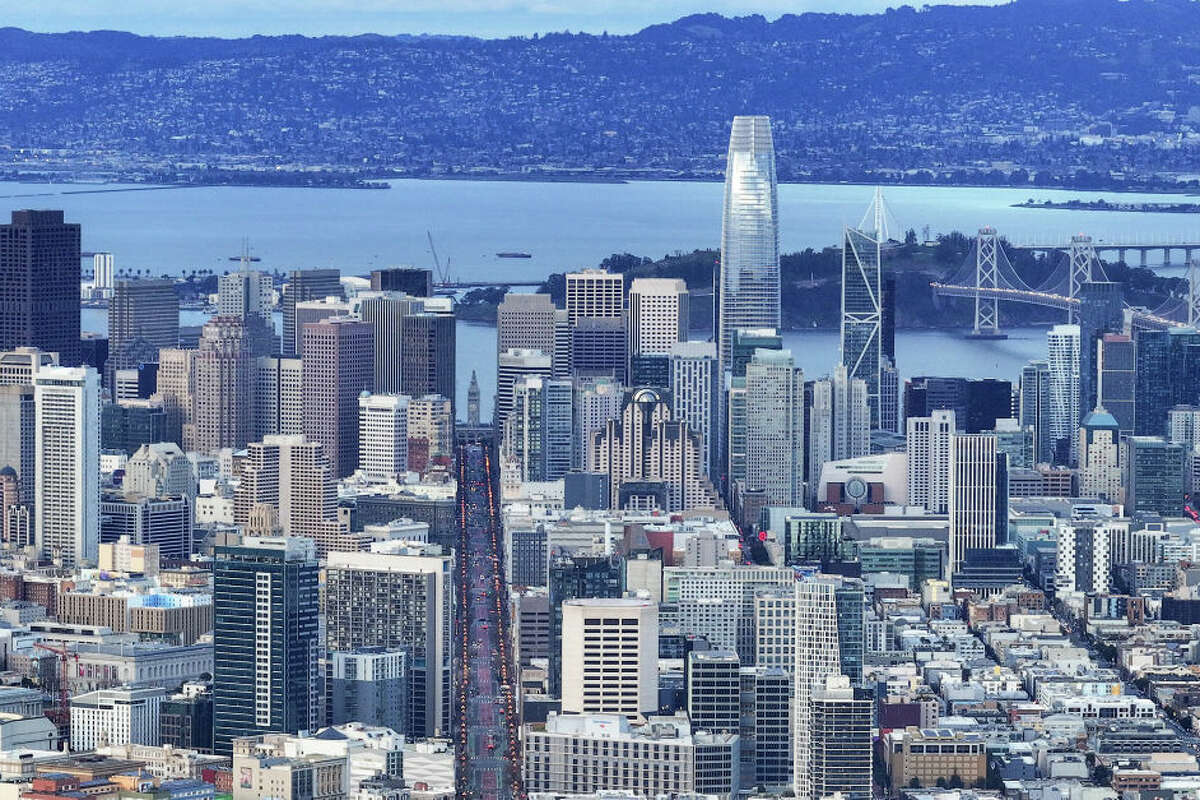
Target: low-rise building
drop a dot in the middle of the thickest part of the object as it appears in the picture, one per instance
(123, 715)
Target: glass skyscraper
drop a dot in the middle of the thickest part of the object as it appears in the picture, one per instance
(862, 313)
(746, 293)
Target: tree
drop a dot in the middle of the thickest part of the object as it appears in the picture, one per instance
(955, 782)
(915, 783)
(910, 236)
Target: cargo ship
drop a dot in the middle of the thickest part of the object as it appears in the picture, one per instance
(513, 254)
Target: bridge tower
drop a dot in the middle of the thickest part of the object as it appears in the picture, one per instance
(987, 276)
(1193, 295)
(1083, 261)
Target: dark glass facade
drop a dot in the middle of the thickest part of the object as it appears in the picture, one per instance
(39, 284)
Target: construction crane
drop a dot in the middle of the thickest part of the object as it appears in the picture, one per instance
(61, 714)
(443, 275)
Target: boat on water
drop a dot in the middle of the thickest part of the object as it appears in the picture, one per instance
(513, 254)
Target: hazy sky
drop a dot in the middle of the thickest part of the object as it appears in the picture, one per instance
(315, 17)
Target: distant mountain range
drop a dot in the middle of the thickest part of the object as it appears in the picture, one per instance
(1077, 92)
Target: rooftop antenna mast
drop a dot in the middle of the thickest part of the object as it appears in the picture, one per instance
(245, 258)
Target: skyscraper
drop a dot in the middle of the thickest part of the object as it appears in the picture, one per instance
(839, 422)
(338, 367)
(525, 322)
(513, 364)
(305, 284)
(1116, 389)
(745, 342)
(278, 396)
(1100, 456)
(840, 722)
(286, 482)
(1035, 409)
(39, 284)
(409, 280)
(978, 492)
(67, 454)
(538, 431)
(383, 435)
(1101, 311)
(1062, 345)
(266, 648)
(610, 656)
(595, 293)
(658, 315)
(224, 386)
(597, 400)
(696, 398)
(1154, 475)
(775, 427)
(862, 337)
(928, 443)
(427, 350)
(385, 312)
(598, 347)
(817, 658)
(177, 390)
(143, 317)
(248, 295)
(714, 690)
(746, 292)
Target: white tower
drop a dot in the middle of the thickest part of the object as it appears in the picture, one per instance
(67, 489)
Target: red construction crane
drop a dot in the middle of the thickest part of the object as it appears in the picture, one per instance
(61, 715)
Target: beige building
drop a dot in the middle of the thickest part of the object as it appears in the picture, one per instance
(179, 618)
(131, 559)
(176, 391)
(259, 774)
(927, 755)
(658, 315)
(610, 656)
(525, 322)
(224, 386)
(595, 293)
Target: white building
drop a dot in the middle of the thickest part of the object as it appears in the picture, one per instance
(839, 422)
(595, 293)
(1183, 427)
(695, 397)
(115, 716)
(658, 315)
(1062, 356)
(976, 481)
(1083, 557)
(1100, 457)
(383, 435)
(67, 488)
(610, 656)
(514, 364)
(278, 396)
(928, 447)
(749, 272)
(597, 400)
(817, 657)
(19, 732)
(244, 294)
(775, 427)
(102, 271)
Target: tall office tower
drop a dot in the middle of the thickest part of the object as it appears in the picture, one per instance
(1082, 558)
(977, 403)
(595, 293)
(978, 495)
(1062, 344)
(39, 284)
(570, 578)
(1183, 428)
(143, 317)
(714, 685)
(696, 398)
(383, 435)
(889, 397)
(430, 431)
(409, 280)
(18, 439)
(1101, 311)
(515, 364)
(1099, 457)
(160, 469)
(162, 522)
(249, 295)
(839, 423)
(224, 385)
(888, 318)
(1117, 387)
(398, 600)
(290, 481)
(266, 609)
(67, 458)
(302, 285)
(15, 530)
(177, 391)
(384, 312)
(1153, 397)
(766, 733)
(652, 370)
(428, 350)
(840, 737)
(928, 446)
(746, 292)
(538, 433)
(862, 337)
(473, 402)
(563, 332)
(1155, 472)
(610, 656)
(525, 322)
(278, 396)
(735, 433)
(598, 348)
(746, 342)
(18, 366)
(102, 271)
(1016, 442)
(816, 657)
(658, 315)
(652, 460)
(597, 400)
(337, 369)
(1035, 409)
(775, 427)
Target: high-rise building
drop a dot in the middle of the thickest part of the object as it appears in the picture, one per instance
(735, 433)
(816, 658)
(302, 285)
(746, 289)
(538, 431)
(1063, 359)
(337, 369)
(143, 317)
(841, 740)
(162, 522)
(610, 656)
(658, 315)
(18, 440)
(597, 400)
(383, 435)
(563, 332)
(748, 340)
(570, 578)
(695, 389)
(929, 443)
(160, 469)
(1016, 442)
(1082, 558)
(1183, 428)
(287, 483)
(514, 364)
(395, 600)
(430, 431)
(839, 422)
(978, 495)
(249, 296)
(409, 280)
(1100, 456)
(223, 411)
(39, 284)
(766, 733)
(862, 338)
(653, 461)
(598, 348)
(67, 455)
(102, 272)
(278, 396)
(714, 685)
(427, 350)
(775, 427)
(176, 391)
(595, 293)
(976, 403)
(1035, 409)
(266, 610)
(1155, 472)
(1117, 387)
(385, 313)
(370, 685)
(525, 322)
(1101, 311)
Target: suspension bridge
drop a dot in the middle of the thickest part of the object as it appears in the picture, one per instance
(988, 277)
